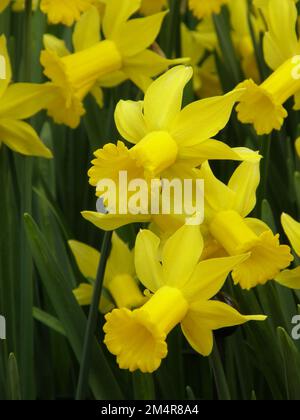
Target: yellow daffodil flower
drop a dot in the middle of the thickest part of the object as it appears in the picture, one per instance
(204, 8)
(262, 105)
(291, 278)
(149, 7)
(182, 288)
(122, 55)
(169, 142)
(227, 208)
(119, 279)
(19, 101)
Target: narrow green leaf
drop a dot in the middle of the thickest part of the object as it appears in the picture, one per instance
(102, 381)
(13, 378)
(48, 320)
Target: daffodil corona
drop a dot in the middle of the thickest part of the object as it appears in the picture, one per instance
(204, 8)
(182, 288)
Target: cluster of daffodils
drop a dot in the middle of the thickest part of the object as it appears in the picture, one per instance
(176, 270)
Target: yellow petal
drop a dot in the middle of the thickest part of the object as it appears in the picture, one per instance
(213, 315)
(55, 44)
(23, 100)
(116, 13)
(199, 338)
(164, 97)
(150, 63)
(97, 93)
(147, 264)
(87, 30)
(214, 150)
(245, 182)
(181, 253)
(130, 121)
(289, 278)
(292, 230)
(110, 222)
(84, 294)
(281, 41)
(87, 258)
(217, 195)
(4, 53)
(136, 35)
(121, 260)
(203, 119)
(209, 277)
(21, 137)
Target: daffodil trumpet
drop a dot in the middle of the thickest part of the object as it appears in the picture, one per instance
(182, 288)
(262, 105)
(77, 73)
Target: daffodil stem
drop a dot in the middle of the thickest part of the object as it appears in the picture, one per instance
(219, 374)
(265, 152)
(92, 320)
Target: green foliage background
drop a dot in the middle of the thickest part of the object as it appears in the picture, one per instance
(41, 357)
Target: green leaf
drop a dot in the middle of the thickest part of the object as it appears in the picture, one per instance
(291, 361)
(49, 321)
(143, 386)
(13, 379)
(101, 380)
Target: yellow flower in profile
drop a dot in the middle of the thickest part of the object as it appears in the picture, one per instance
(182, 288)
(291, 278)
(66, 11)
(149, 7)
(204, 8)
(262, 105)
(120, 286)
(227, 208)
(19, 101)
(124, 54)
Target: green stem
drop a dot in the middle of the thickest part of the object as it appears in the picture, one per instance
(24, 166)
(219, 374)
(92, 320)
(265, 152)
